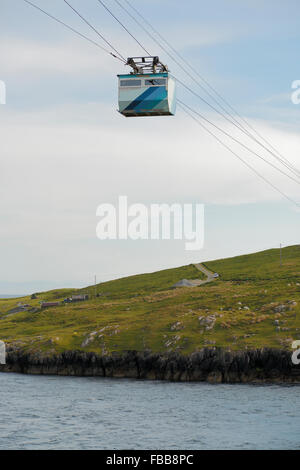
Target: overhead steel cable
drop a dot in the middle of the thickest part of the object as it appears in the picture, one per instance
(235, 139)
(96, 30)
(239, 142)
(185, 108)
(166, 51)
(123, 60)
(178, 63)
(124, 27)
(287, 163)
(235, 122)
(72, 29)
(288, 166)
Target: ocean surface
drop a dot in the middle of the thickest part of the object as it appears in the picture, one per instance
(15, 296)
(47, 412)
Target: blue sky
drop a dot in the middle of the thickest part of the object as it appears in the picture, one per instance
(65, 149)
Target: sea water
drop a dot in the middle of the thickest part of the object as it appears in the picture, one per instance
(49, 412)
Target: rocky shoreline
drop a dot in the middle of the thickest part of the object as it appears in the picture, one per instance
(213, 365)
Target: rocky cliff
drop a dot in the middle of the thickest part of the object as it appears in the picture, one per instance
(212, 365)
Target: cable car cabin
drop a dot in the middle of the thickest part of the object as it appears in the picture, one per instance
(147, 94)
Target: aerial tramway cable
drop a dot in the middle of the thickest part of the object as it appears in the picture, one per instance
(228, 135)
(124, 27)
(212, 107)
(94, 29)
(187, 110)
(184, 106)
(236, 140)
(233, 138)
(239, 142)
(74, 30)
(279, 156)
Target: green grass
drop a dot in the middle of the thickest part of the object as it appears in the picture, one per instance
(264, 265)
(142, 312)
(143, 284)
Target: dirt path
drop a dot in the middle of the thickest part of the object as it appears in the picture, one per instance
(209, 275)
(197, 282)
(206, 272)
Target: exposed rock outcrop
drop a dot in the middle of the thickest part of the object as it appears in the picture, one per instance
(209, 364)
(208, 321)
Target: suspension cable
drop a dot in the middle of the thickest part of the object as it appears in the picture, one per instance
(279, 156)
(233, 138)
(186, 109)
(239, 142)
(123, 60)
(124, 27)
(72, 29)
(96, 31)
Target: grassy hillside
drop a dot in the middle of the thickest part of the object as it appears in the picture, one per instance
(254, 303)
(264, 265)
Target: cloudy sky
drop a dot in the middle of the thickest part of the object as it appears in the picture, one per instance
(64, 148)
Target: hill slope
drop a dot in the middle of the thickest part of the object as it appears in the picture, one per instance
(254, 303)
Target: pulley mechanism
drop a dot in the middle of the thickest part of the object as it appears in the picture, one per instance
(146, 65)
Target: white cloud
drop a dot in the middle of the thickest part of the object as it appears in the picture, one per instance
(75, 55)
(202, 35)
(44, 58)
(57, 166)
(278, 99)
(54, 161)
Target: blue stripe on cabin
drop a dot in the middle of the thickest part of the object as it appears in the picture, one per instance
(140, 98)
(158, 95)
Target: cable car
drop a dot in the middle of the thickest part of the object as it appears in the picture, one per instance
(148, 90)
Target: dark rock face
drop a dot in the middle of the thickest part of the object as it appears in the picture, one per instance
(212, 365)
